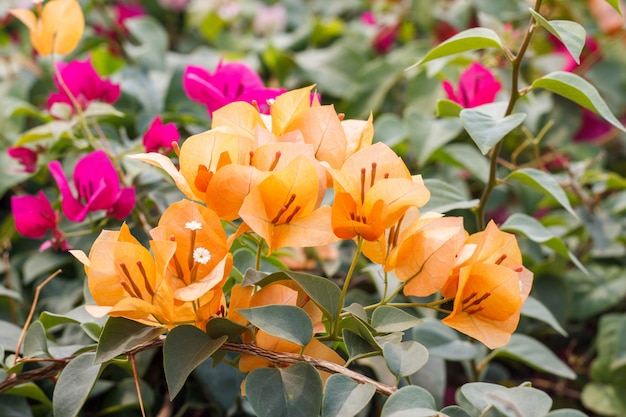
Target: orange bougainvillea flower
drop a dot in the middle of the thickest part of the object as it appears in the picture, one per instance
(57, 30)
(488, 302)
(179, 280)
(424, 255)
(284, 208)
(373, 190)
(491, 246)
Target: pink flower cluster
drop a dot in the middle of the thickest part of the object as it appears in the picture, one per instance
(230, 82)
(476, 86)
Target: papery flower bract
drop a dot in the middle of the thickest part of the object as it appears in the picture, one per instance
(476, 86)
(592, 127)
(201, 261)
(127, 280)
(52, 31)
(160, 136)
(425, 254)
(34, 215)
(97, 187)
(26, 156)
(284, 208)
(84, 83)
(488, 302)
(491, 246)
(270, 19)
(230, 82)
(373, 190)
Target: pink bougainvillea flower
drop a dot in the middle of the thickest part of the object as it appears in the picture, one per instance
(230, 82)
(592, 127)
(26, 156)
(85, 85)
(160, 136)
(124, 11)
(477, 86)
(97, 185)
(33, 215)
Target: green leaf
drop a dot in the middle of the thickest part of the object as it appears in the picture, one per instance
(448, 108)
(386, 319)
(566, 412)
(405, 358)
(445, 197)
(443, 342)
(604, 399)
(430, 134)
(294, 391)
(152, 42)
(409, 401)
(343, 397)
(571, 34)
(537, 232)
(54, 129)
(99, 109)
(287, 322)
(120, 334)
(74, 385)
(580, 91)
(466, 156)
(5, 292)
(358, 347)
(516, 401)
(468, 40)
(391, 129)
(322, 291)
(534, 354)
(35, 342)
(535, 309)
(454, 411)
(485, 130)
(9, 335)
(220, 326)
(32, 391)
(184, 349)
(544, 182)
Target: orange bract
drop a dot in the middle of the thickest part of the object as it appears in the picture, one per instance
(57, 30)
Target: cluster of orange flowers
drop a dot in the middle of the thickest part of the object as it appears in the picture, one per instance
(272, 174)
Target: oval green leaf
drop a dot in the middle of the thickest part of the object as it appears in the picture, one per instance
(485, 130)
(322, 291)
(184, 349)
(535, 309)
(405, 358)
(410, 401)
(545, 182)
(74, 385)
(343, 397)
(517, 401)
(287, 322)
(580, 91)
(571, 34)
(537, 232)
(295, 391)
(534, 354)
(467, 40)
(120, 334)
(387, 319)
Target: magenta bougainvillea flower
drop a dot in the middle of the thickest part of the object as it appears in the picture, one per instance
(26, 156)
(85, 85)
(97, 187)
(230, 82)
(477, 86)
(160, 136)
(34, 217)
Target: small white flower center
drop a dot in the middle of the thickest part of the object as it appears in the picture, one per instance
(201, 255)
(193, 225)
(270, 101)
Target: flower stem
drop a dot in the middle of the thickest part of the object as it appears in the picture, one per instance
(493, 180)
(346, 285)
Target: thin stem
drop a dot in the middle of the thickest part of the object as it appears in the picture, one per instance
(259, 254)
(137, 386)
(31, 313)
(492, 180)
(346, 285)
